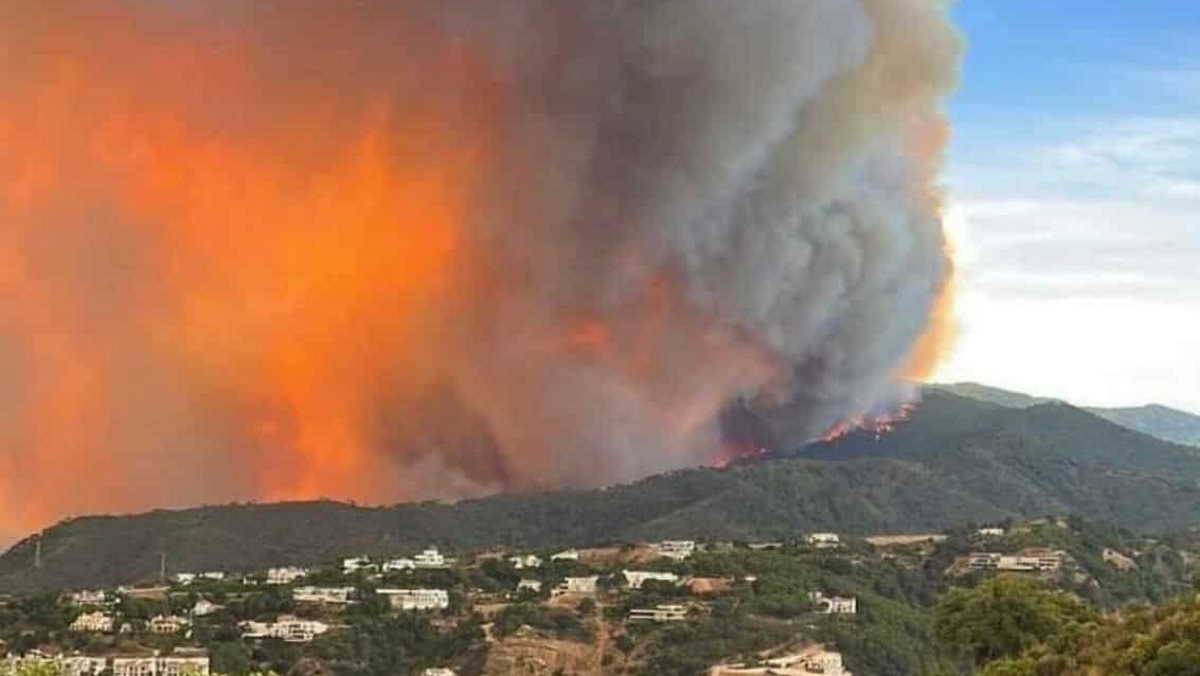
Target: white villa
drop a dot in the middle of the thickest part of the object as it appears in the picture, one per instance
(634, 579)
(168, 624)
(527, 561)
(355, 564)
(399, 564)
(205, 607)
(333, 595)
(577, 585)
(566, 555)
(660, 613)
(285, 574)
(430, 558)
(417, 599)
(91, 598)
(823, 540)
(286, 627)
(93, 622)
(675, 549)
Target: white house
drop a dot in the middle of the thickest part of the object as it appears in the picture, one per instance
(813, 660)
(566, 555)
(334, 595)
(417, 599)
(83, 665)
(134, 666)
(577, 585)
(430, 558)
(355, 564)
(528, 561)
(634, 579)
(834, 605)
(675, 549)
(399, 564)
(534, 586)
(93, 622)
(823, 540)
(167, 624)
(991, 532)
(439, 671)
(90, 598)
(660, 613)
(286, 627)
(205, 607)
(177, 665)
(285, 574)
(184, 578)
(214, 575)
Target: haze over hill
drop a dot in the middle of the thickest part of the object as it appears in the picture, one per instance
(957, 459)
(1156, 420)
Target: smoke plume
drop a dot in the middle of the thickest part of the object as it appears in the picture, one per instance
(397, 249)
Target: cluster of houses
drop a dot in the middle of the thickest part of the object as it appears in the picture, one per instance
(285, 628)
(815, 659)
(178, 663)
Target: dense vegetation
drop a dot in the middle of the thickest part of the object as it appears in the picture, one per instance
(957, 459)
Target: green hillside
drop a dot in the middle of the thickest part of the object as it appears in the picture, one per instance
(958, 459)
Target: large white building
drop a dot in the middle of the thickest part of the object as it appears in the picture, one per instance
(286, 628)
(634, 579)
(167, 624)
(91, 598)
(332, 595)
(660, 613)
(527, 561)
(93, 622)
(824, 540)
(417, 599)
(577, 585)
(676, 549)
(355, 564)
(392, 565)
(430, 558)
(285, 574)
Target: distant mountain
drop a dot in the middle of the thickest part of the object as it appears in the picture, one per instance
(957, 459)
(1156, 420)
(1160, 421)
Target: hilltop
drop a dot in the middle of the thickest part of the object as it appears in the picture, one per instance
(957, 459)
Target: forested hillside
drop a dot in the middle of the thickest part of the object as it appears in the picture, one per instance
(957, 459)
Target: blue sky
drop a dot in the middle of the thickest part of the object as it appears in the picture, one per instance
(1074, 199)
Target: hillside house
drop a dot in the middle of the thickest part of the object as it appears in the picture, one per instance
(330, 595)
(204, 607)
(823, 540)
(167, 624)
(285, 574)
(355, 564)
(91, 598)
(396, 565)
(566, 555)
(812, 660)
(660, 613)
(97, 622)
(834, 605)
(430, 558)
(534, 586)
(286, 628)
(634, 579)
(417, 599)
(213, 575)
(528, 561)
(576, 585)
(991, 532)
(675, 549)
(184, 578)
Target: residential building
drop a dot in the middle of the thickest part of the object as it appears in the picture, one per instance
(430, 558)
(167, 624)
(179, 665)
(205, 607)
(417, 599)
(635, 578)
(333, 595)
(184, 578)
(91, 598)
(577, 585)
(213, 575)
(824, 540)
(135, 666)
(93, 622)
(83, 665)
(285, 574)
(812, 660)
(566, 555)
(286, 627)
(991, 532)
(355, 564)
(398, 565)
(527, 561)
(660, 613)
(983, 560)
(676, 549)
(834, 605)
(439, 671)
(534, 586)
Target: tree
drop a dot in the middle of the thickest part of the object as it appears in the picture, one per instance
(1005, 615)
